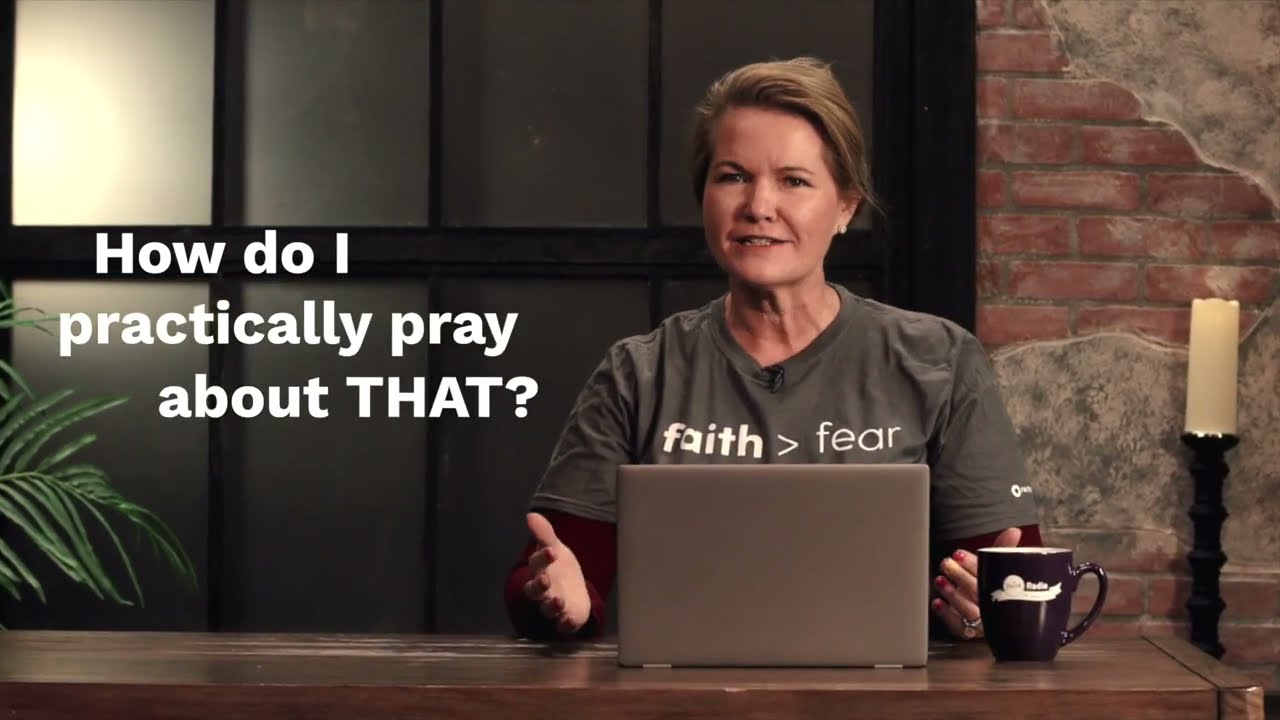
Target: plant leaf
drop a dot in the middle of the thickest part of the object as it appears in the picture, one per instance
(50, 545)
(93, 483)
(162, 539)
(11, 428)
(46, 491)
(66, 451)
(40, 434)
(9, 316)
(124, 556)
(10, 584)
(35, 517)
(9, 407)
(8, 555)
(10, 308)
(82, 469)
(47, 503)
(13, 374)
(64, 497)
(34, 324)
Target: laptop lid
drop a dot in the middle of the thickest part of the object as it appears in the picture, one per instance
(773, 565)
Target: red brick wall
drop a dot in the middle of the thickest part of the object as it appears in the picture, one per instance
(1092, 219)
(1148, 595)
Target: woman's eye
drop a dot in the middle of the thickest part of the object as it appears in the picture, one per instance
(729, 177)
(794, 181)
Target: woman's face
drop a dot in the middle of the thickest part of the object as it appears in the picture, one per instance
(770, 204)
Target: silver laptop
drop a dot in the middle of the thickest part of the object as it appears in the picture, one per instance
(773, 565)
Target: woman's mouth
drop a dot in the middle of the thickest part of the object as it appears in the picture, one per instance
(758, 241)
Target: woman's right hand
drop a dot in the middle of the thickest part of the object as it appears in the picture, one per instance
(556, 582)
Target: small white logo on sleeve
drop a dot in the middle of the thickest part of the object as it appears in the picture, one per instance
(1015, 588)
(1019, 490)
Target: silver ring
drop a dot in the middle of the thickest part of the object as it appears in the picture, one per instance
(971, 627)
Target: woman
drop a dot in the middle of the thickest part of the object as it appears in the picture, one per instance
(785, 367)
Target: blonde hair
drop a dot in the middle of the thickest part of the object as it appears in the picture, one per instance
(803, 86)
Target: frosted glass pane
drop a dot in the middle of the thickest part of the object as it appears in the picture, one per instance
(159, 463)
(692, 57)
(324, 528)
(113, 112)
(337, 124)
(544, 113)
(489, 466)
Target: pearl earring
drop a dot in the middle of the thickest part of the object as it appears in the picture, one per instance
(840, 229)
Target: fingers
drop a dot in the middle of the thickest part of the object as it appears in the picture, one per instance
(566, 626)
(1008, 538)
(958, 586)
(539, 591)
(541, 529)
(948, 616)
(964, 579)
(956, 599)
(551, 606)
(537, 587)
(540, 559)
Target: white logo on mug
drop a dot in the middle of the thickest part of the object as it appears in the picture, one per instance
(1018, 490)
(1015, 588)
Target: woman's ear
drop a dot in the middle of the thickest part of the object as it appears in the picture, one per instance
(848, 209)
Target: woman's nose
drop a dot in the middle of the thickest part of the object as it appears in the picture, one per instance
(761, 202)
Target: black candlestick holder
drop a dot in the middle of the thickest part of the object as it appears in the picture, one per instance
(1209, 468)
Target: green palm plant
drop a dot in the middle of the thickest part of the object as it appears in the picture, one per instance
(51, 497)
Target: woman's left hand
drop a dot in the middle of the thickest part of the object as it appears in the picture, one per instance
(957, 587)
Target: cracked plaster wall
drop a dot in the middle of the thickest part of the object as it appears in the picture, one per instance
(1101, 415)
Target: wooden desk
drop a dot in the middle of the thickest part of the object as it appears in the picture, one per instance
(113, 676)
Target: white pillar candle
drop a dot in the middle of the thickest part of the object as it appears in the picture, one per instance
(1212, 364)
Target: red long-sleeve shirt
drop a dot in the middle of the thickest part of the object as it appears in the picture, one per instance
(594, 543)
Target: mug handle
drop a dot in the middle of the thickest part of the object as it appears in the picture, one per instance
(1075, 632)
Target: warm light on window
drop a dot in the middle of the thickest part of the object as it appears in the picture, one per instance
(113, 120)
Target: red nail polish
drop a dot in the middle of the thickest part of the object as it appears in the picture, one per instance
(940, 581)
(959, 555)
(937, 604)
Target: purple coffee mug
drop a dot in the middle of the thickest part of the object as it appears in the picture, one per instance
(1024, 594)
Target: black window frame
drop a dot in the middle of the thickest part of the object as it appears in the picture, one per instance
(923, 255)
(923, 167)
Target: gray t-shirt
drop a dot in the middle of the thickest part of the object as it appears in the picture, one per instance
(878, 385)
